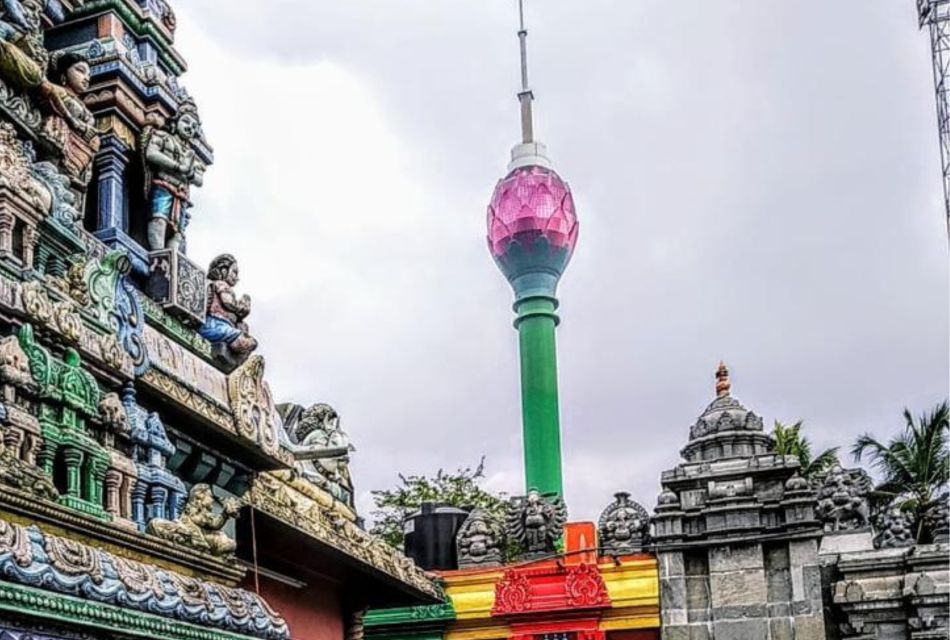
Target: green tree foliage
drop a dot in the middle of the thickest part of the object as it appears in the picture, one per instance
(914, 465)
(789, 441)
(459, 489)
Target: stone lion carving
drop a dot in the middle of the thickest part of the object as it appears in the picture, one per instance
(536, 522)
(895, 528)
(623, 526)
(842, 500)
(200, 526)
(479, 541)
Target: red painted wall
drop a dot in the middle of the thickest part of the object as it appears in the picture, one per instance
(312, 612)
(638, 634)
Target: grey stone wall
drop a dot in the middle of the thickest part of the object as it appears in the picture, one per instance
(888, 594)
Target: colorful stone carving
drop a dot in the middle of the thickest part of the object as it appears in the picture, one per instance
(199, 526)
(70, 126)
(172, 167)
(623, 526)
(23, 59)
(479, 541)
(320, 447)
(252, 405)
(536, 523)
(30, 557)
(224, 326)
(842, 500)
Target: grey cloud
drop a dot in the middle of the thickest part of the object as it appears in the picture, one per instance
(757, 181)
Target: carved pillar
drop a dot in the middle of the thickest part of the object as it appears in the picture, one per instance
(111, 162)
(73, 460)
(139, 491)
(175, 501)
(95, 472)
(125, 497)
(113, 480)
(30, 238)
(12, 439)
(46, 456)
(157, 503)
(31, 447)
(7, 220)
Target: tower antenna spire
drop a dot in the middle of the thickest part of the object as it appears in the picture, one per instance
(525, 96)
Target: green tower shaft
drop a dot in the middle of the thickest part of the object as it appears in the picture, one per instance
(536, 322)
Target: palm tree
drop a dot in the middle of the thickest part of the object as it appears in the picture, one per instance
(914, 465)
(789, 441)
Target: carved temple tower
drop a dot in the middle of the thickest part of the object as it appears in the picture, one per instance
(736, 534)
(532, 231)
(149, 484)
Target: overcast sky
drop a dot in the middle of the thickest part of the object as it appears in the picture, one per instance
(756, 180)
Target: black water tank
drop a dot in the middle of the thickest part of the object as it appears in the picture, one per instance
(430, 535)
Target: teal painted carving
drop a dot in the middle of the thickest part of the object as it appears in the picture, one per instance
(68, 397)
(125, 594)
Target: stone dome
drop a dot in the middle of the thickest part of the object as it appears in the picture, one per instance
(726, 429)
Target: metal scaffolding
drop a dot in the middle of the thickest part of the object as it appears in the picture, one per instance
(935, 15)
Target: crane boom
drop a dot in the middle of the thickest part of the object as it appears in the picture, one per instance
(935, 15)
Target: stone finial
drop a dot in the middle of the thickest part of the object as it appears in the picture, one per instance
(723, 386)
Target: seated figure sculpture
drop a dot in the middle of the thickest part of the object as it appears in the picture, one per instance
(224, 325)
(479, 541)
(623, 526)
(199, 526)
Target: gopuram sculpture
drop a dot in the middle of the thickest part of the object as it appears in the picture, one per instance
(536, 523)
(171, 168)
(320, 447)
(200, 526)
(479, 541)
(842, 500)
(71, 127)
(623, 526)
(224, 324)
(23, 59)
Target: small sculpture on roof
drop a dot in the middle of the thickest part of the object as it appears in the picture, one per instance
(479, 541)
(200, 525)
(320, 446)
(895, 528)
(623, 526)
(224, 324)
(842, 500)
(536, 522)
(171, 168)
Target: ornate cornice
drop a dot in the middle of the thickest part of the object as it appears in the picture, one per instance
(284, 503)
(149, 598)
(141, 25)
